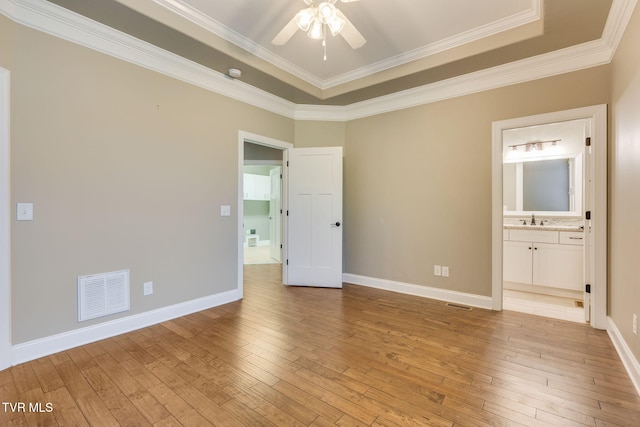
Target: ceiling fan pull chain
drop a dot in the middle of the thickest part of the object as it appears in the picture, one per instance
(324, 41)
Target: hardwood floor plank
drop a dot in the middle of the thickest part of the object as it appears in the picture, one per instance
(95, 411)
(66, 410)
(47, 375)
(326, 411)
(36, 412)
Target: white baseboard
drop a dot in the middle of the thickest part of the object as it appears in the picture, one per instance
(421, 291)
(35, 349)
(628, 359)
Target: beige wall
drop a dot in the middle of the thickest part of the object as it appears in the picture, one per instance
(418, 181)
(319, 134)
(624, 185)
(126, 169)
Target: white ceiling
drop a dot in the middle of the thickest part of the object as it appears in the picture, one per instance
(397, 32)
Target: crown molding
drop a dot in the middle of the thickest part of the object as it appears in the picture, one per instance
(59, 22)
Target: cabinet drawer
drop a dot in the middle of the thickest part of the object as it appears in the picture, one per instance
(572, 238)
(540, 236)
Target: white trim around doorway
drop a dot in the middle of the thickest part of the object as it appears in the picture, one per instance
(5, 223)
(598, 116)
(267, 142)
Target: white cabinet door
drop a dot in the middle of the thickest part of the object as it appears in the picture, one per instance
(256, 187)
(248, 186)
(558, 266)
(263, 187)
(517, 262)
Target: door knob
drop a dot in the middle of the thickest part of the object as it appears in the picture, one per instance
(336, 224)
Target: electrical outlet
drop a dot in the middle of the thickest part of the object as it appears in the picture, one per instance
(148, 288)
(437, 270)
(445, 271)
(635, 324)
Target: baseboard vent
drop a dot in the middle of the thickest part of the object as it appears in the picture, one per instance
(102, 294)
(461, 307)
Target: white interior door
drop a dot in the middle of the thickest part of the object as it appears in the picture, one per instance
(275, 215)
(314, 235)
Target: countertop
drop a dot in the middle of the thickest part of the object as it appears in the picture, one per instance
(550, 227)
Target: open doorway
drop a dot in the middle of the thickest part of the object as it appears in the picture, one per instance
(260, 213)
(543, 218)
(262, 220)
(593, 211)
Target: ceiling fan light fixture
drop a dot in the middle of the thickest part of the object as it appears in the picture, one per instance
(336, 24)
(304, 18)
(317, 31)
(326, 11)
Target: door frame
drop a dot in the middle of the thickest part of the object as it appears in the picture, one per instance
(597, 114)
(5, 222)
(267, 142)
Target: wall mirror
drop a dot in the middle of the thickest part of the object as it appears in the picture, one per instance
(543, 186)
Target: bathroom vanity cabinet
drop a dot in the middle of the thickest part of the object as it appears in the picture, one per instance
(544, 257)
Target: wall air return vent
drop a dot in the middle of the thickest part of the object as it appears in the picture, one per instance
(102, 294)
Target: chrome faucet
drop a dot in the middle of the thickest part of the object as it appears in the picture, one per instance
(533, 219)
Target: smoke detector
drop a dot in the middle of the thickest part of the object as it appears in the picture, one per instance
(234, 73)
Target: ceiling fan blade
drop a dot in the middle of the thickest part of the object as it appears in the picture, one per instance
(350, 34)
(286, 33)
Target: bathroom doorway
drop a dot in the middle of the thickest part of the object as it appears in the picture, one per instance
(543, 236)
(550, 259)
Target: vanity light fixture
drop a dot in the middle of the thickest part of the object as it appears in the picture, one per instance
(534, 145)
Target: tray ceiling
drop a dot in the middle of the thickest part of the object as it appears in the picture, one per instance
(409, 43)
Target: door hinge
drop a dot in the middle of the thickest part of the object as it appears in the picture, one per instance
(287, 262)
(587, 215)
(287, 212)
(280, 246)
(287, 163)
(280, 176)
(587, 288)
(587, 141)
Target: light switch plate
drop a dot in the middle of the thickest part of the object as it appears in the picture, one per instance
(225, 210)
(148, 288)
(24, 212)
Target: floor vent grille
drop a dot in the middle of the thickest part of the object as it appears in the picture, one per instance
(102, 294)
(460, 307)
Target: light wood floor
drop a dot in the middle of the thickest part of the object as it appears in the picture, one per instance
(351, 357)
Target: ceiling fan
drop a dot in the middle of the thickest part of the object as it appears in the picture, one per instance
(315, 20)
